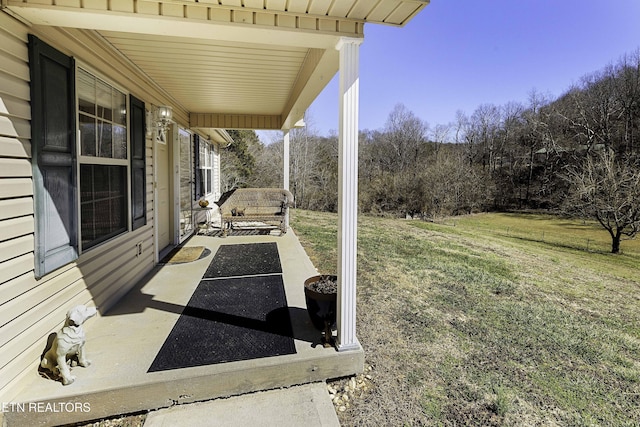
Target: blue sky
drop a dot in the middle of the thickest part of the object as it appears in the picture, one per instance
(458, 54)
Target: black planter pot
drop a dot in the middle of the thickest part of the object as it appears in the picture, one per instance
(322, 307)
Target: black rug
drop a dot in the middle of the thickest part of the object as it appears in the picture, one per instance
(231, 318)
(245, 260)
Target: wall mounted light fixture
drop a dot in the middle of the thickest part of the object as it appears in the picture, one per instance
(164, 113)
(159, 119)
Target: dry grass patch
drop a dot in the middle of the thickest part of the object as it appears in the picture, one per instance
(466, 326)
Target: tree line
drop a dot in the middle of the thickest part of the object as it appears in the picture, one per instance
(578, 154)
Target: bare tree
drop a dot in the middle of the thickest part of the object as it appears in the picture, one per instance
(536, 134)
(592, 109)
(269, 165)
(439, 136)
(302, 159)
(485, 122)
(406, 135)
(511, 125)
(628, 94)
(452, 186)
(608, 190)
(459, 126)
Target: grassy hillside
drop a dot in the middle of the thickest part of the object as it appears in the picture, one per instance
(471, 323)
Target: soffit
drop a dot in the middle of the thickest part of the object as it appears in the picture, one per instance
(210, 76)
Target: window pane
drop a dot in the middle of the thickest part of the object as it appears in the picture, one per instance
(102, 118)
(138, 207)
(103, 93)
(103, 206)
(104, 140)
(86, 184)
(100, 183)
(119, 107)
(203, 181)
(101, 218)
(86, 88)
(119, 142)
(116, 205)
(115, 179)
(86, 223)
(87, 135)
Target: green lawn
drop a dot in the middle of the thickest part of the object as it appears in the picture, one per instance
(585, 235)
(487, 320)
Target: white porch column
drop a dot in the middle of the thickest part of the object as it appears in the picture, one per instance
(285, 158)
(285, 169)
(348, 192)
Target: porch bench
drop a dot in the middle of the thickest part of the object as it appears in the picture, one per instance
(267, 205)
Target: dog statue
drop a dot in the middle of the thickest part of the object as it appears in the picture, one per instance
(69, 342)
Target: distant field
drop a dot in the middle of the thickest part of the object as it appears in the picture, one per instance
(587, 235)
(488, 320)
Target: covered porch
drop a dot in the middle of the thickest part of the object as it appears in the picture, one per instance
(231, 64)
(123, 343)
(223, 64)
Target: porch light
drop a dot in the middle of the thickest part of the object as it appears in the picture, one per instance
(158, 119)
(164, 113)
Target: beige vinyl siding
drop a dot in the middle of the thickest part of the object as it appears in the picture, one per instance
(16, 191)
(31, 309)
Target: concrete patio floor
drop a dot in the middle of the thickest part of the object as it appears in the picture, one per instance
(123, 342)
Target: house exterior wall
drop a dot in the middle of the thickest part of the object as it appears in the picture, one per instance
(30, 308)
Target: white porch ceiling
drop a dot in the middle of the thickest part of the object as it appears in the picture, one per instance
(222, 77)
(254, 64)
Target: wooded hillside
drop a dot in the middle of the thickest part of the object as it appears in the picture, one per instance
(501, 157)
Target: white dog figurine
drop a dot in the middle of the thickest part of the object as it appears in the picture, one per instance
(69, 342)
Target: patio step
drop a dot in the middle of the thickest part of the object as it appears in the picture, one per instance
(182, 387)
(307, 405)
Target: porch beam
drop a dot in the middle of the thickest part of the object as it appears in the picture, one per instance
(349, 49)
(190, 19)
(317, 65)
(235, 121)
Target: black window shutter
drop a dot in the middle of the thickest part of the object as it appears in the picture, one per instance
(137, 129)
(196, 168)
(53, 145)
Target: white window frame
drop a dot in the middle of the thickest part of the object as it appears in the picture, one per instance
(206, 164)
(97, 160)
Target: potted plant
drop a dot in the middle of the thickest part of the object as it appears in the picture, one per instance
(321, 294)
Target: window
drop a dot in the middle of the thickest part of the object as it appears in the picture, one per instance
(205, 165)
(102, 120)
(80, 141)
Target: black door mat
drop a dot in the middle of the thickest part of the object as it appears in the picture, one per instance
(244, 260)
(229, 320)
